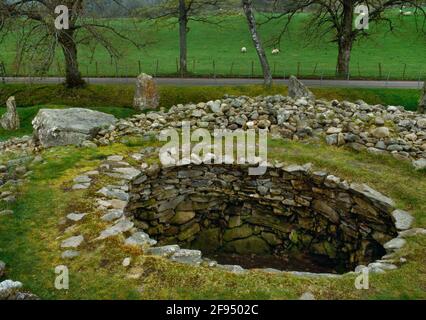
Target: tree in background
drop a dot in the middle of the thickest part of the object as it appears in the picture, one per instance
(251, 20)
(185, 11)
(336, 17)
(40, 38)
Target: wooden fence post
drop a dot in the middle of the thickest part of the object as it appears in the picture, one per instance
(315, 68)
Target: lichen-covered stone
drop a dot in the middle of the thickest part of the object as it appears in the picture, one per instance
(59, 127)
(146, 93)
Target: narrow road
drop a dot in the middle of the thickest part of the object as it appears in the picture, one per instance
(229, 82)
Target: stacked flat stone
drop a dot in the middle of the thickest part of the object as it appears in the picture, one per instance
(221, 207)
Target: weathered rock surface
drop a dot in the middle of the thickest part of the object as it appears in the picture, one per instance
(2, 268)
(419, 164)
(140, 239)
(297, 90)
(403, 219)
(76, 216)
(146, 93)
(9, 288)
(59, 127)
(70, 254)
(72, 242)
(165, 251)
(118, 228)
(10, 120)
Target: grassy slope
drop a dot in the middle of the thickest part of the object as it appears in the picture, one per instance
(207, 42)
(31, 248)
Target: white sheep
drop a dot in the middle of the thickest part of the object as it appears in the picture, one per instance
(243, 50)
(276, 51)
(408, 13)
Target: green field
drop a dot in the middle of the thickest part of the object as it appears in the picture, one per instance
(214, 50)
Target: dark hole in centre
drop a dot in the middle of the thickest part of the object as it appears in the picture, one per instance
(256, 244)
(304, 262)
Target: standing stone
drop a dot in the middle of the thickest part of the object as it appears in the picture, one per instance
(146, 94)
(10, 120)
(297, 90)
(2, 268)
(422, 101)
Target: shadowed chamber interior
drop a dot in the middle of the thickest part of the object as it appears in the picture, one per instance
(288, 219)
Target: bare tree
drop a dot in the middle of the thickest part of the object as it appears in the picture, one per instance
(336, 17)
(185, 11)
(39, 38)
(251, 20)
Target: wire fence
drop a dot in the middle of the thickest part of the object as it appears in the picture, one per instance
(211, 68)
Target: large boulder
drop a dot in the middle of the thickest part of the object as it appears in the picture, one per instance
(10, 120)
(146, 94)
(297, 90)
(60, 127)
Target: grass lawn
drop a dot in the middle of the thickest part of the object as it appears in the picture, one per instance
(209, 45)
(30, 243)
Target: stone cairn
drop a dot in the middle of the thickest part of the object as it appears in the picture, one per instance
(375, 129)
(10, 120)
(146, 94)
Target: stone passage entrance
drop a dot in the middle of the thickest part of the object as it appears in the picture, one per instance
(288, 216)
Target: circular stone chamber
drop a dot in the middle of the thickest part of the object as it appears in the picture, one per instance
(288, 219)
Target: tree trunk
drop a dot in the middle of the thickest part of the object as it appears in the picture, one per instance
(345, 39)
(344, 58)
(73, 77)
(183, 29)
(248, 10)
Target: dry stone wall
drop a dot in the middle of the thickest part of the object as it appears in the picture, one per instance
(222, 208)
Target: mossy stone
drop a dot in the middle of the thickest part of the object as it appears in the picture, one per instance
(189, 232)
(242, 232)
(251, 245)
(207, 240)
(271, 238)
